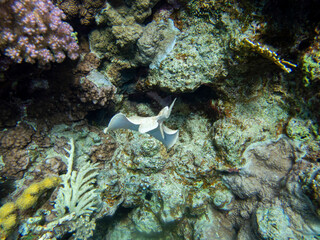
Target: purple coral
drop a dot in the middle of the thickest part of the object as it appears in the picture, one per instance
(33, 30)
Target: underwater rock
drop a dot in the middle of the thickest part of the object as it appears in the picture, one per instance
(127, 35)
(248, 122)
(51, 166)
(213, 225)
(96, 88)
(156, 42)
(18, 137)
(174, 199)
(124, 28)
(267, 164)
(309, 178)
(273, 223)
(271, 193)
(310, 63)
(199, 202)
(173, 184)
(125, 21)
(15, 146)
(89, 62)
(222, 199)
(196, 59)
(145, 221)
(122, 230)
(302, 130)
(103, 44)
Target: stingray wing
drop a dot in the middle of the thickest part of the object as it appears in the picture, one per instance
(121, 121)
(170, 136)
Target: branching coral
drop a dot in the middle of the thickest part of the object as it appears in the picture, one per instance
(33, 30)
(267, 53)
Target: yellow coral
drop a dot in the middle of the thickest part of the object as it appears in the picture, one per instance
(32, 193)
(9, 222)
(28, 198)
(25, 201)
(7, 219)
(6, 210)
(33, 189)
(49, 182)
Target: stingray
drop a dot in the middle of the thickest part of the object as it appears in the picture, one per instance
(152, 125)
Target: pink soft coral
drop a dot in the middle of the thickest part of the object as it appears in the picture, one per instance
(33, 30)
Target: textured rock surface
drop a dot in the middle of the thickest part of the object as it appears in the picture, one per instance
(246, 123)
(157, 41)
(272, 198)
(266, 166)
(213, 225)
(273, 223)
(14, 145)
(196, 59)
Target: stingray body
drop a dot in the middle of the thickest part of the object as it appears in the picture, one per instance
(152, 125)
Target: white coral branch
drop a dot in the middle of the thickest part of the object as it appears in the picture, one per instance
(77, 194)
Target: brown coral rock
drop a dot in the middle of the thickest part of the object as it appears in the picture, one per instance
(89, 62)
(90, 92)
(15, 156)
(103, 152)
(51, 166)
(15, 164)
(17, 137)
(127, 34)
(86, 9)
(69, 7)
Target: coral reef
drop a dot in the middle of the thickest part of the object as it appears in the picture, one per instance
(34, 31)
(246, 163)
